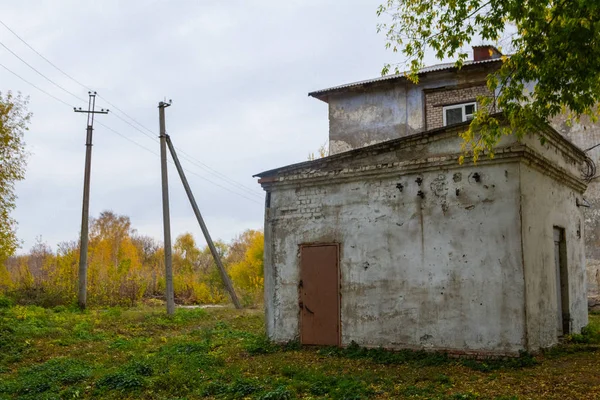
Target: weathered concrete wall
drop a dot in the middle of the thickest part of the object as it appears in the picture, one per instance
(430, 252)
(546, 203)
(382, 112)
(362, 117)
(358, 120)
(585, 135)
(441, 272)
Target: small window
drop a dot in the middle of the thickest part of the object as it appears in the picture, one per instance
(459, 113)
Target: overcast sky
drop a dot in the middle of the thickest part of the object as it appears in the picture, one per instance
(238, 73)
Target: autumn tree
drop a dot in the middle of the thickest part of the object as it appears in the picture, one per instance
(247, 271)
(115, 270)
(112, 229)
(554, 66)
(125, 267)
(14, 121)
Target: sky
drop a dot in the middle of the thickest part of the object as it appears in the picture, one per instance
(238, 73)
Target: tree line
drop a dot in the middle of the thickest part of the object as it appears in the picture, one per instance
(126, 268)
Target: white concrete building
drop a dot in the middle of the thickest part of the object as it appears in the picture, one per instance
(397, 245)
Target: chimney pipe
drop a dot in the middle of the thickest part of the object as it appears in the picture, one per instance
(485, 52)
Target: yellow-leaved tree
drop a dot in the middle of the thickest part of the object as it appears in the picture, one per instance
(247, 271)
(125, 268)
(115, 271)
(192, 270)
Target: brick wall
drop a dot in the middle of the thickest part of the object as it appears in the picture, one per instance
(436, 100)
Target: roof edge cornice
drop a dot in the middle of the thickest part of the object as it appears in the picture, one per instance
(514, 153)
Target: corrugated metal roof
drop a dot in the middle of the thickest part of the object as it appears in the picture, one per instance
(431, 68)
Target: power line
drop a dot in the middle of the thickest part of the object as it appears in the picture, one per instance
(127, 138)
(152, 134)
(591, 148)
(187, 170)
(186, 156)
(38, 88)
(39, 73)
(200, 164)
(45, 59)
(127, 115)
(136, 128)
(65, 74)
(197, 163)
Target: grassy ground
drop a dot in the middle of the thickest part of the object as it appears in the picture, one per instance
(221, 353)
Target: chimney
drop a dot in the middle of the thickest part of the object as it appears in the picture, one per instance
(485, 52)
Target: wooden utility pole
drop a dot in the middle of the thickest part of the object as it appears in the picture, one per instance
(165, 202)
(85, 214)
(211, 245)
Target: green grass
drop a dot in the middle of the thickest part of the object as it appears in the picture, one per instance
(120, 353)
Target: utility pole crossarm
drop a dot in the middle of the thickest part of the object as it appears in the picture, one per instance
(211, 245)
(81, 110)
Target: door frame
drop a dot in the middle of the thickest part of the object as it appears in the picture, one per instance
(338, 287)
(562, 280)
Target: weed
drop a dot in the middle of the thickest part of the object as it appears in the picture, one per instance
(59, 309)
(244, 387)
(185, 348)
(290, 371)
(416, 391)
(142, 368)
(423, 358)
(590, 334)
(383, 356)
(443, 379)
(215, 388)
(150, 355)
(523, 361)
(5, 302)
(121, 380)
(47, 377)
(319, 388)
(260, 345)
(351, 389)
(464, 396)
(292, 345)
(281, 393)
(565, 349)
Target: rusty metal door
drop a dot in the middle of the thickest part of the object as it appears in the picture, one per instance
(319, 295)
